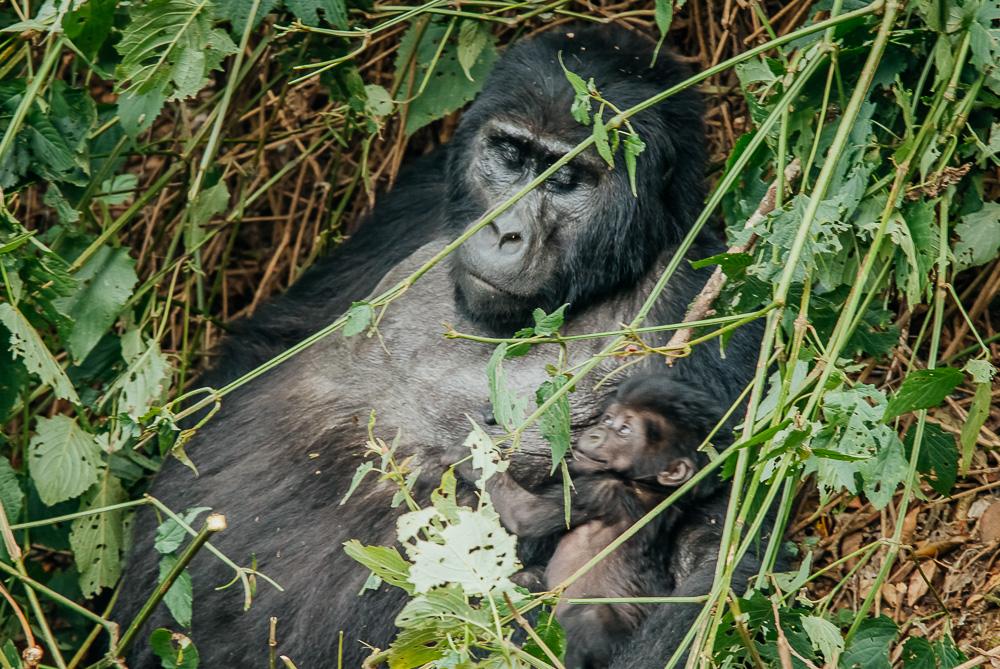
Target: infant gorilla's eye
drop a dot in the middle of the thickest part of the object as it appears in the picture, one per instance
(607, 420)
(624, 430)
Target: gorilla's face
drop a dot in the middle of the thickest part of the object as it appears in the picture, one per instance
(518, 262)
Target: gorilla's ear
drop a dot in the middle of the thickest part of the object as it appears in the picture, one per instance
(676, 473)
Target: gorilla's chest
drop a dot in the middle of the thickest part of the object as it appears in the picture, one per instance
(427, 386)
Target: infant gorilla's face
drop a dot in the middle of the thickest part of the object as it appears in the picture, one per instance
(638, 444)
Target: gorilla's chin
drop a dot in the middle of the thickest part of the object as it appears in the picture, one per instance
(492, 305)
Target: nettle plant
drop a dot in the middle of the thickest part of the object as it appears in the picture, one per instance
(859, 198)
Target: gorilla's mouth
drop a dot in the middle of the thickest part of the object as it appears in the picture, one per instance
(483, 283)
(581, 456)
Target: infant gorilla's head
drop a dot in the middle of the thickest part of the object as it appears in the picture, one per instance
(649, 433)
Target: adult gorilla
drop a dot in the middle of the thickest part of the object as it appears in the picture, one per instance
(279, 456)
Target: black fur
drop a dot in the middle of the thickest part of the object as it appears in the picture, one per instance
(279, 456)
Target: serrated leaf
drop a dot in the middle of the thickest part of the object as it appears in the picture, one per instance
(824, 637)
(918, 654)
(601, 141)
(64, 461)
(175, 650)
(633, 146)
(106, 283)
(145, 379)
(554, 424)
(310, 11)
(180, 596)
(509, 410)
(237, 12)
(548, 324)
(384, 562)
(137, 111)
(869, 649)
(97, 539)
(448, 88)
(476, 553)
(938, 456)
(473, 36)
(923, 389)
(10, 491)
(979, 237)
(170, 534)
(884, 473)
(359, 317)
(170, 46)
(427, 622)
(27, 345)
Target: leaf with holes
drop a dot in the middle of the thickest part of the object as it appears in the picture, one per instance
(923, 389)
(310, 11)
(145, 379)
(97, 539)
(175, 650)
(938, 458)
(64, 460)
(25, 343)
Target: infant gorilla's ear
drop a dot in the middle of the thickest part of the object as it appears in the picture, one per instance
(676, 473)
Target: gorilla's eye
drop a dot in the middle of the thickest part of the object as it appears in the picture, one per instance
(607, 420)
(565, 179)
(509, 150)
(625, 430)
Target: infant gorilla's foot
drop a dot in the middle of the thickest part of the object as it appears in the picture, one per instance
(533, 579)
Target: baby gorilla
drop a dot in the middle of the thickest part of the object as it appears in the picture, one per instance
(644, 447)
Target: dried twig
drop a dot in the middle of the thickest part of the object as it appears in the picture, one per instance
(701, 306)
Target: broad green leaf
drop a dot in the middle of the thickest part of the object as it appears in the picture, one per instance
(552, 635)
(208, 203)
(663, 15)
(170, 535)
(732, 264)
(237, 12)
(575, 80)
(89, 25)
(548, 324)
(27, 345)
(378, 101)
(170, 46)
(555, 422)
(447, 87)
(137, 111)
(64, 461)
(938, 456)
(601, 141)
(359, 317)
(10, 491)
(428, 622)
(310, 11)
(384, 562)
(476, 553)
(869, 649)
(473, 36)
(923, 389)
(824, 637)
(884, 473)
(97, 539)
(979, 237)
(633, 146)
(180, 595)
(509, 410)
(919, 654)
(145, 379)
(175, 650)
(106, 283)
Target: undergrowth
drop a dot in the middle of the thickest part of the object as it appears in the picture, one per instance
(137, 163)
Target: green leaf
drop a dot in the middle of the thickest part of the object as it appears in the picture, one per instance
(146, 378)
(473, 36)
(310, 11)
(580, 109)
(106, 283)
(869, 649)
(119, 189)
(378, 102)
(554, 424)
(575, 80)
(938, 457)
(663, 14)
(359, 317)
(237, 12)
(97, 539)
(428, 624)
(551, 634)
(10, 492)
(732, 264)
(359, 475)
(824, 637)
(923, 389)
(64, 460)
(486, 457)
(547, 325)
(180, 596)
(509, 410)
(27, 345)
(384, 562)
(175, 650)
(207, 204)
(982, 373)
(979, 237)
(89, 25)
(170, 46)
(884, 473)
(447, 87)
(601, 141)
(137, 111)
(171, 534)
(633, 146)
(918, 654)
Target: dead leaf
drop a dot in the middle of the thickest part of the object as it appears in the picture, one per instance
(989, 523)
(918, 585)
(933, 549)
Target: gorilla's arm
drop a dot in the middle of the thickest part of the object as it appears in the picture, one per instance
(405, 218)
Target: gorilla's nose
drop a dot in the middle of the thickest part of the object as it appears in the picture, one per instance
(509, 238)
